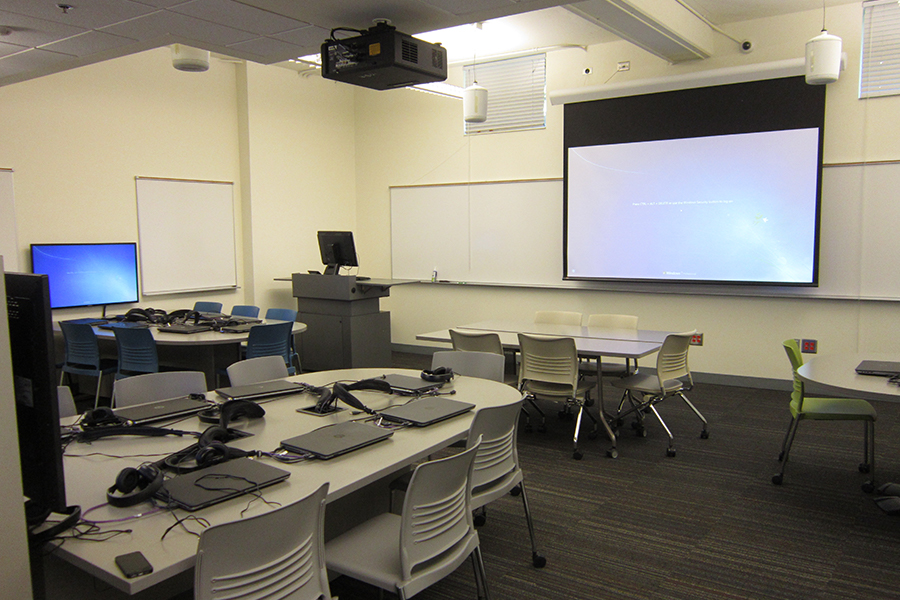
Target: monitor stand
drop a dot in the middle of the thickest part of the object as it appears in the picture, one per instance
(332, 270)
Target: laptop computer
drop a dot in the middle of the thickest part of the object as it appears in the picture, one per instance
(212, 485)
(261, 390)
(334, 440)
(141, 414)
(185, 328)
(240, 328)
(422, 412)
(410, 386)
(125, 325)
(882, 368)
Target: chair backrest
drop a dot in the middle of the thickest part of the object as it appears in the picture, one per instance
(485, 365)
(497, 457)
(608, 321)
(558, 317)
(245, 310)
(792, 348)
(211, 307)
(81, 344)
(158, 386)
(254, 370)
(476, 341)
(437, 517)
(548, 360)
(137, 350)
(277, 554)
(66, 402)
(672, 360)
(272, 339)
(281, 314)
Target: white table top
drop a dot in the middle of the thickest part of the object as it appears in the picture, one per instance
(575, 331)
(203, 338)
(587, 347)
(836, 374)
(91, 469)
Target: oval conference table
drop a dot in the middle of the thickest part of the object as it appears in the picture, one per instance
(358, 481)
(207, 351)
(835, 374)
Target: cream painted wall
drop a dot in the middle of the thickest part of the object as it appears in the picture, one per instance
(301, 164)
(406, 138)
(77, 139)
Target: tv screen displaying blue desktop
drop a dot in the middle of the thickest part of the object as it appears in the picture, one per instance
(88, 274)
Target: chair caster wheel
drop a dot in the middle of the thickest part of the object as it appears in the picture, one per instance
(863, 468)
(612, 453)
(868, 487)
(577, 455)
(538, 561)
(670, 452)
(515, 491)
(704, 435)
(479, 520)
(777, 479)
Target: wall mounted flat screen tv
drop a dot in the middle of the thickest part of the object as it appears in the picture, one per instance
(88, 274)
(712, 185)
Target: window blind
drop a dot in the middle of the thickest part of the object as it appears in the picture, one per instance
(879, 73)
(517, 90)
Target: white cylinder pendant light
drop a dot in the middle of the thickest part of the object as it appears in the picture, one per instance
(475, 100)
(823, 59)
(185, 58)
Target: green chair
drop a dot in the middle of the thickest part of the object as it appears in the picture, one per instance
(826, 409)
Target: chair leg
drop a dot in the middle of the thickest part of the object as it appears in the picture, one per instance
(778, 478)
(704, 433)
(97, 393)
(670, 451)
(784, 442)
(531, 400)
(536, 559)
(869, 465)
(480, 576)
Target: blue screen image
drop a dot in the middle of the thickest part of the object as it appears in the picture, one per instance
(88, 274)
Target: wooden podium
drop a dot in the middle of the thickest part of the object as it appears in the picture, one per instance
(346, 328)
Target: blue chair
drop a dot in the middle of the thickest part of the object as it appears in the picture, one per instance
(208, 307)
(245, 310)
(286, 314)
(83, 355)
(137, 351)
(273, 339)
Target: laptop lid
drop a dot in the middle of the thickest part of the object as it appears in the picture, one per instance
(334, 440)
(238, 328)
(141, 414)
(205, 487)
(185, 328)
(426, 411)
(261, 390)
(410, 386)
(883, 368)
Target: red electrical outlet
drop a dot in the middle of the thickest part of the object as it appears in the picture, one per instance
(697, 339)
(809, 346)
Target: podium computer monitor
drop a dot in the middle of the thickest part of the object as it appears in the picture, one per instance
(337, 250)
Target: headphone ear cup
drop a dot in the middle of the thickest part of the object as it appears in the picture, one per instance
(438, 375)
(213, 434)
(127, 480)
(234, 409)
(215, 453)
(135, 485)
(379, 385)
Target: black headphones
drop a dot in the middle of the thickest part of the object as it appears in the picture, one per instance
(341, 391)
(211, 449)
(134, 486)
(102, 416)
(231, 410)
(439, 375)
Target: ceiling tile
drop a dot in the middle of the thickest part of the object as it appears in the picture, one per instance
(305, 37)
(30, 32)
(161, 24)
(7, 49)
(267, 50)
(40, 60)
(87, 14)
(239, 16)
(88, 43)
(464, 7)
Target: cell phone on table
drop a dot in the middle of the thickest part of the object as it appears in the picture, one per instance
(133, 564)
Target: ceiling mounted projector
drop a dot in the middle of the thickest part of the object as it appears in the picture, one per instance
(382, 58)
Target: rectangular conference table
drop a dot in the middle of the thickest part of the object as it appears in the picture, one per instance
(357, 481)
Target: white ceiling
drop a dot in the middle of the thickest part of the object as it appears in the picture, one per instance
(39, 37)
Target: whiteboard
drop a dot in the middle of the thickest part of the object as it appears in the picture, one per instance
(186, 233)
(510, 233)
(9, 246)
(497, 232)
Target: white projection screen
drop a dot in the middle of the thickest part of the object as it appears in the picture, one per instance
(711, 185)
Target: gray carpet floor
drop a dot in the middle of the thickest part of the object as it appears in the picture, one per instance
(707, 523)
